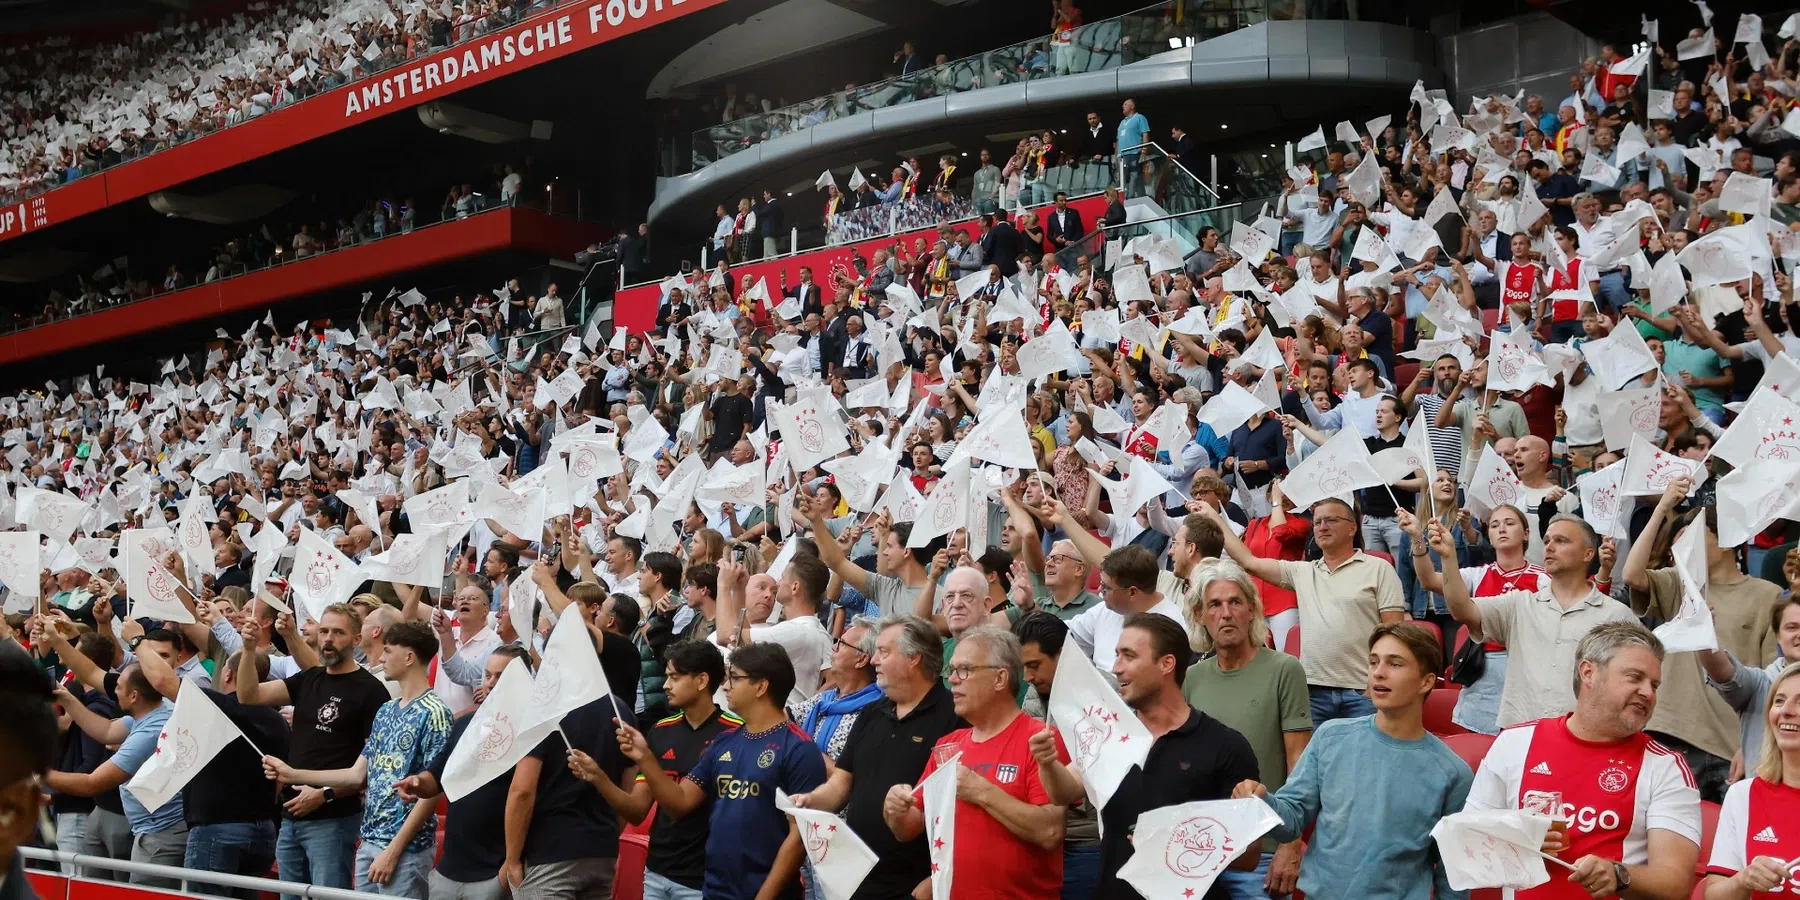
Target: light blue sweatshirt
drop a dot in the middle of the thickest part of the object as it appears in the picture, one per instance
(1375, 800)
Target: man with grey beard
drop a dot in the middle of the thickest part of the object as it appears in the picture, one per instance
(334, 709)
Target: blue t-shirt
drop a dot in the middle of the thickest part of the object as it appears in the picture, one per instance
(136, 750)
(1132, 131)
(740, 771)
(403, 741)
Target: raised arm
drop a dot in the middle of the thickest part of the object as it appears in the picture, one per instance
(830, 553)
(251, 691)
(1456, 593)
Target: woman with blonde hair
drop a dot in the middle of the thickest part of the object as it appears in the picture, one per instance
(1756, 850)
(706, 546)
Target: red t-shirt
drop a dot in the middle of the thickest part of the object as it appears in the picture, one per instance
(1758, 818)
(1285, 542)
(1566, 310)
(990, 862)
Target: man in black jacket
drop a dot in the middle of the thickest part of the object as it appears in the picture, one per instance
(1093, 153)
(634, 253)
(770, 223)
(1186, 150)
(1000, 246)
(1062, 224)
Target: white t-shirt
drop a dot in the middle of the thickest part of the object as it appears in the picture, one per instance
(1097, 630)
(475, 650)
(509, 186)
(808, 645)
(1665, 797)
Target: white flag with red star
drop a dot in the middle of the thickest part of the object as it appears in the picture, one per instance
(322, 576)
(1104, 737)
(1494, 483)
(940, 823)
(1492, 848)
(1648, 471)
(1181, 850)
(497, 736)
(839, 858)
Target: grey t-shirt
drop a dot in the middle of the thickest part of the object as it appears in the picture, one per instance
(891, 594)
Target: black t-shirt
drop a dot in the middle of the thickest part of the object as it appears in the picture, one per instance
(232, 788)
(678, 843)
(475, 831)
(332, 718)
(880, 752)
(1375, 501)
(731, 412)
(1201, 760)
(570, 820)
(620, 661)
(81, 754)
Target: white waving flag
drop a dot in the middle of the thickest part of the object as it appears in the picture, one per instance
(1105, 739)
(1336, 469)
(51, 512)
(1512, 363)
(1782, 376)
(511, 511)
(811, 430)
(1181, 850)
(1768, 427)
(1141, 484)
(1048, 353)
(416, 559)
(1001, 439)
(946, 509)
(569, 677)
(1692, 627)
(497, 736)
(1619, 357)
(1648, 470)
(1624, 414)
(1493, 484)
(446, 509)
(1492, 848)
(1600, 500)
(940, 824)
(194, 733)
(1230, 408)
(839, 858)
(322, 576)
(367, 510)
(860, 477)
(1751, 498)
(20, 563)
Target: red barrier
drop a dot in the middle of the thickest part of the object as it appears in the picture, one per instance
(547, 36)
(502, 229)
(635, 308)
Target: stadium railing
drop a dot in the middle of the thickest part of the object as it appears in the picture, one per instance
(69, 876)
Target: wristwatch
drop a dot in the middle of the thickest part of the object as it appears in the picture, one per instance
(132, 644)
(330, 795)
(1621, 878)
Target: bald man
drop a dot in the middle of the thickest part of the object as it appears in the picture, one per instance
(1531, 461)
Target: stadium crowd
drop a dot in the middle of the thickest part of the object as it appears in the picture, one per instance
(1398, 534)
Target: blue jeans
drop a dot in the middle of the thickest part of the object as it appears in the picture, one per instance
(411, 874)
(1560, 332)
(319, 852)
(232, 848)
(1081, 871)
(657, 887)
(1248, 885)
(1329, 703)
(1613, 294)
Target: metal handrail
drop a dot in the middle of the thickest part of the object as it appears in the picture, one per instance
(186, 876)
(1211, 189)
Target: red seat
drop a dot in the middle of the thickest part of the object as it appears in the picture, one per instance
(1471, 747)
(1462, 637)
(1432, 627)
(1093, 583)
(1439, 704)
(1292, 644)
(1709, 823)
(1489, 319)
(1404, 373)
(628, 878)
(1381, 555)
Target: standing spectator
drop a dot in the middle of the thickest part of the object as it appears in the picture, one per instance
(752, 848)
(1062, 224)
(1093, 149)
(986, 190)
(509, 186)
(395, 854)
(463, 652)
(474, 845)
(335, 704)
(1132, 132)
(1041, 640)
(1256, 691)
(1385, 766)
(548, 311)
(769, 224)
(634, 253)
(1007, 826)
(722, 232)
(1641, 835)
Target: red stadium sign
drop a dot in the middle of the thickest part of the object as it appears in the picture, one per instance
(551, 35)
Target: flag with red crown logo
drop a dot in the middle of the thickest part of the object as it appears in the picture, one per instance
(193, 734)
(1104, 737)
(322, 576)
(1181, 850)
(840, 859)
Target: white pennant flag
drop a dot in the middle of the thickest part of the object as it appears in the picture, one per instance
(1601, 504)
(1768, 427)
(1624, 414)
(511, 511)
(1754, 496)
(1051, 352)
(1336, 469)
(1314, 141)
(940, 824)
(1001, 439)
(860, 477)
(322, 576)
(946, 509)
(446, 509)
(158, 596)
(1230, 408)
(1493, 484)
(1180, 850)
(1648, 471)
(1692, 627)
(840, 859)
(1619, 357)
(416, 559)
(193, 734)
(497, 736)
(51, 512)
(1141, 484)
(811, 431)
(1105, 739)
(1492, 848)
(20, 561)
(592, 460)
(1513, 365)
(569, 677)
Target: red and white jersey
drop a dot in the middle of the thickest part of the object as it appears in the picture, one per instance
(1759, 818)
(1518, 282)
(1613, 794)
(1492, 581)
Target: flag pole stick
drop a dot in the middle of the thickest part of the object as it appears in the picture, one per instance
(1566, 865)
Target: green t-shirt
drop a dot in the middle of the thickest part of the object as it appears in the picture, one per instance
(1040, 594)
(1262, 701)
